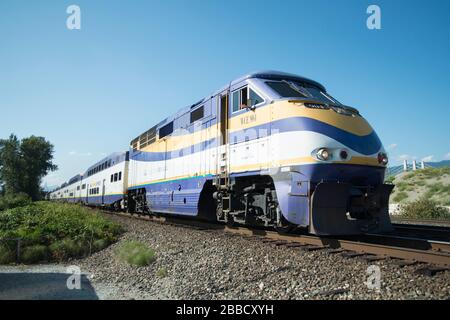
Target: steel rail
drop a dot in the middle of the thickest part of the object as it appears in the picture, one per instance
(396, 219)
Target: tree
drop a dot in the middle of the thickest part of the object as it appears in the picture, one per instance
(10, 165)
(24, 163)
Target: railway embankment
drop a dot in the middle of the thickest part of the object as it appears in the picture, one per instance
(210, 264)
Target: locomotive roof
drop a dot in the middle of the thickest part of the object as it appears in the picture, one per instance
(278, 75)
(263, 74)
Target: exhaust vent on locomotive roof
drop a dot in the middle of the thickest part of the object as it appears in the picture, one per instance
(316, 106)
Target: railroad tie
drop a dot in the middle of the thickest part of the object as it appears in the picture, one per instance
(312, 248)
(402, 263)
(372, 257)
(350, 254)
(294, 245)
(430, 270)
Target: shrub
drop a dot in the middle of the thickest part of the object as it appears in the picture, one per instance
(67, 248)
(7, 255)
(14, 201)
(99, 244)
(67, 230)
(34, 254)
(401, 186)
(161, 273)
(400, 196)
(424, 208)
(389, 180)
(136, 253)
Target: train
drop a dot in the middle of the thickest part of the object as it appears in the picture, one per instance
(269, 149)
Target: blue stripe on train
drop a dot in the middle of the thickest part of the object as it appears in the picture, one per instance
(97, 200)
(367, 145)
(176, 196)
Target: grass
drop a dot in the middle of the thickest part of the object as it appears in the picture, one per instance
(424, 208)
(34, 254)
(400, 196)
(136, 253)
(55, 231)
(429, 183)
(161, 273)
(7, 254)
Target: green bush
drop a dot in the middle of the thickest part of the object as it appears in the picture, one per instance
(67, 248)
(389, 180)
(7, 255)
(424, 208)
(161, 273)
(68, 230)
(400, 196)
(136, 253)
(34, 254)
(14, 201)
(99, 244)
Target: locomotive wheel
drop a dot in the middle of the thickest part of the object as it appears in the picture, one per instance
(229, 220)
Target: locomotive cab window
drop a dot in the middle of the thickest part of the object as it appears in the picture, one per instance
(284, 89)
(294, 89)
(255, 99)
(240, 99)
(115, 177)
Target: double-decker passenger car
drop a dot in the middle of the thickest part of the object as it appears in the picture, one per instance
(271, 149)
(103, 184)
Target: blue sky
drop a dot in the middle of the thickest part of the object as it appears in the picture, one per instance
(133, 63)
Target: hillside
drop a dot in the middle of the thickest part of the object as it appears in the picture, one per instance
(431, 183)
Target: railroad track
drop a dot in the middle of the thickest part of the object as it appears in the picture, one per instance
(431, 232)
(400, 249)
(437, 222)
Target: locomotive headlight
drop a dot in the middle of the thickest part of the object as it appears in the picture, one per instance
(383, 158)
(323, 154)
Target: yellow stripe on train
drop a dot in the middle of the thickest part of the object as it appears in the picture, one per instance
(272, 112)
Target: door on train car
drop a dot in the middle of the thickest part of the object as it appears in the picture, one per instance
(103, 191)
(223, 118)
(222, 154)
(250, 125)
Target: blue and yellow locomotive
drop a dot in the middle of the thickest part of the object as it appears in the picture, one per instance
(270, 149)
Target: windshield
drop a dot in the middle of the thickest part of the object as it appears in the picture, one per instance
(290, 89)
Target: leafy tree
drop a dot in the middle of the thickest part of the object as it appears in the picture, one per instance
(24, 163)
(10, 165)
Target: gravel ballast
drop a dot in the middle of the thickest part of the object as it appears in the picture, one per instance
(214, 265)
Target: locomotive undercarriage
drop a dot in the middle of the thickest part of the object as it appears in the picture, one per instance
(250, 201)
(336, 207)
(136, 201)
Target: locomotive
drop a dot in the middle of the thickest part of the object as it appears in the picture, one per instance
(269, 149)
